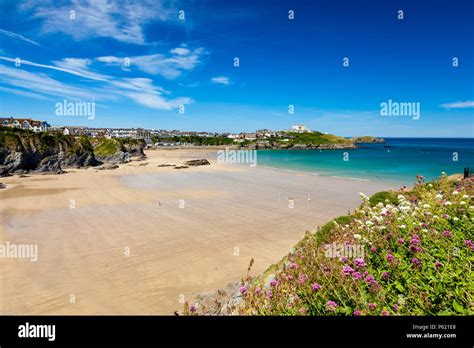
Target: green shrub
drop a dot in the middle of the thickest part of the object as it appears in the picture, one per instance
(323, 233)
(384, 197)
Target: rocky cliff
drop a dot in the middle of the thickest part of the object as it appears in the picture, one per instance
(367, 139)
(24, 151)
(118, 151)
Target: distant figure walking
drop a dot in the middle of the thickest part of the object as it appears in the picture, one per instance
(466, 172)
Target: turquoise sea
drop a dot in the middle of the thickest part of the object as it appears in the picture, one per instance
(397, 160)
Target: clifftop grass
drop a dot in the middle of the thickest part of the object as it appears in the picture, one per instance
(42, 141)
(107, 147)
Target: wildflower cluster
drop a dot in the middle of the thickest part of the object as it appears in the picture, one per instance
(420, 249)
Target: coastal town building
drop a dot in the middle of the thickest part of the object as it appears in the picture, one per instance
(25, 123)
(233, 136)
(248, 136)
(266, 133)
(299, 128)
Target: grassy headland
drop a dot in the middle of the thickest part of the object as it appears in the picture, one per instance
(281, 140)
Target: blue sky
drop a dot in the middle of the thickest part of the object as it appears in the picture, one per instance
(283, 62)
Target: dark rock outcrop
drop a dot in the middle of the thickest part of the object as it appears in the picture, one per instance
(198, 162)
(107, 166)
(118, 158)
(135, 149)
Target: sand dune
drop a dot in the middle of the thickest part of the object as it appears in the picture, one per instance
(138, 239)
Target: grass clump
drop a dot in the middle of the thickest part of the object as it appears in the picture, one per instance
(324, 232)
(106, 147)
(384, 197)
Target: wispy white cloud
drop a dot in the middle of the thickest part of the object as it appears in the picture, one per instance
(68, 65)
(41, 83)
(121, 20)
(18, 37)
(222, 80)
(156, 101)
(180, 51)
(170, 66)
(108, 88)
(458, 105)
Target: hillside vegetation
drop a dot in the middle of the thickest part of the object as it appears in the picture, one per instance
(416, 259)
(315, 138)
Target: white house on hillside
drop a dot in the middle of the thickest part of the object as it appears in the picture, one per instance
(300, 128)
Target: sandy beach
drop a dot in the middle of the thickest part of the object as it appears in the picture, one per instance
(141, 238)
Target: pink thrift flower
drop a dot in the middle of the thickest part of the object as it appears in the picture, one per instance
(415, 249)
(243, 290)
(258, 291)
(469, 244)
(415, 262)
(372, 306)
(370, 280)
(303, 279)
(385, 275)
(357, 313)
(438, 264)
(357, 275)
(448, 234)
(359, 262)
(331, 305)
(347, 270)
(316, 287)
